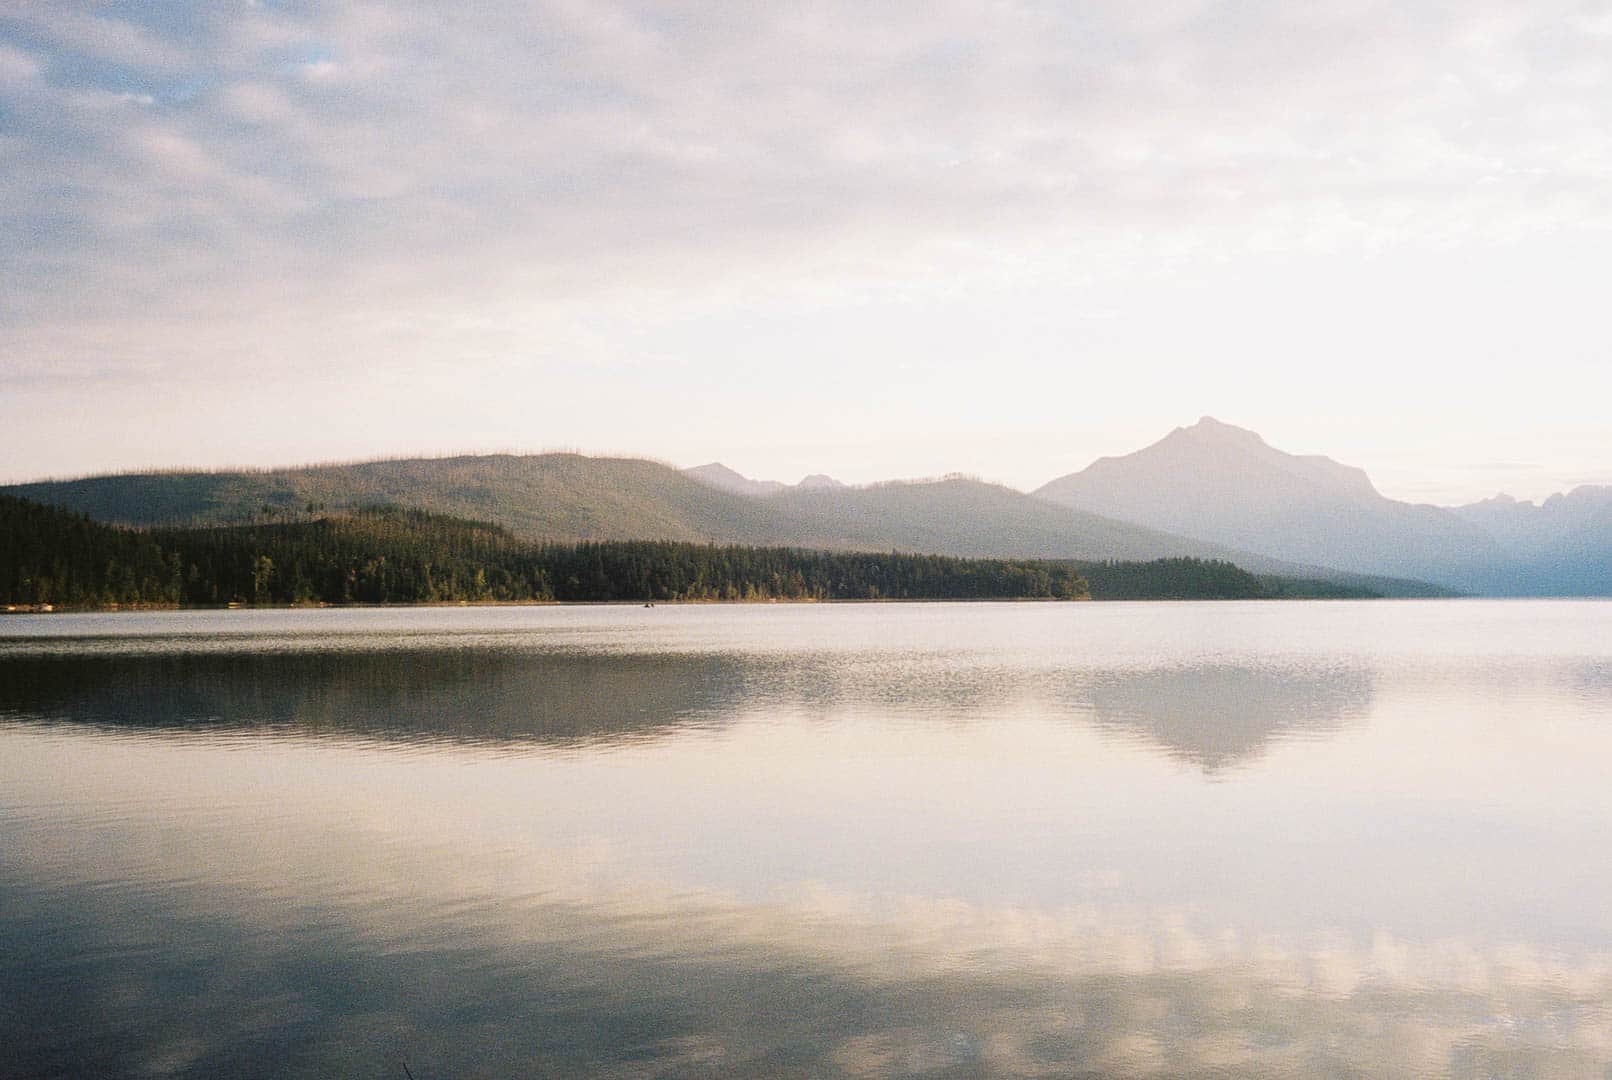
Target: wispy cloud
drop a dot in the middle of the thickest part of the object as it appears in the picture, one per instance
(474, 165)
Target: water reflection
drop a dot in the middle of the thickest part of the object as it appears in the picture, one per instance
(1594, 681)
(458, 695)
(923, 842)
(1213, 716)
(1218, 716)
(228, 1002)
(433, 943)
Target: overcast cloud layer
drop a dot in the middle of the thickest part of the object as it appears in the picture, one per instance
(869, 239)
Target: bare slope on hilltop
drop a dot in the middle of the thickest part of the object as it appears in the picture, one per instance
(571, 497)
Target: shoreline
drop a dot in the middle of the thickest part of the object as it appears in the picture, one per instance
(114, 609)
(109, 609)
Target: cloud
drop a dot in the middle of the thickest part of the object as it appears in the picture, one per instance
(17, 65)
(81, 35)
(789, 125)
(475, 166)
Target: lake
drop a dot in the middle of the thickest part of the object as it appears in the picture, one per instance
(1218, 839)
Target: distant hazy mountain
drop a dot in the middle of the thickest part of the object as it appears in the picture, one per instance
(1216, 482)
(1563, 545)
(1523, 526)
(963, 516)
(718, 475)
(1220, 483)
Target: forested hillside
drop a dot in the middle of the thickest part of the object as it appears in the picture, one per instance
(391, 555)
(1204, 579)
(51, 556)
(539, 497)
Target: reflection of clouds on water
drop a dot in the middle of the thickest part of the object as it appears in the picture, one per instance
(889, 853)
(1594, 681)
(603, 974)
(305, 931)
(1217, 716)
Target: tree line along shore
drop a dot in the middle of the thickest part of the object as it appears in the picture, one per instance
(395, 555)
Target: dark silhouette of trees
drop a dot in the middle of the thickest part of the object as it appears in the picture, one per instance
(394, 555)
(389, 555)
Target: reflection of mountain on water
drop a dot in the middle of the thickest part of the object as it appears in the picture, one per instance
(1220, 716)
(470, 695)
(1214, 717)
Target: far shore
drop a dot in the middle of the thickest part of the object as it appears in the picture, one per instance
(108, 609)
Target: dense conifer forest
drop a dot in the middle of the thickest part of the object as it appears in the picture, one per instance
(1203, 579)
(51, 556)
(392, 555)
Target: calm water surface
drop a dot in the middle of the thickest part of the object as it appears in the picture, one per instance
(1301, 839)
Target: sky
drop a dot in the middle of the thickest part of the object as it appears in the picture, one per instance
(869, 239)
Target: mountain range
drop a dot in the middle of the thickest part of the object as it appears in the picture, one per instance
(718, 475)
(1562, 546)
(570, 497)
(1213, 481)
(1211, 490)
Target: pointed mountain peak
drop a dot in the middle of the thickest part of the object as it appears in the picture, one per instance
(1218, 482)
(714, 470)
(1210, 430)
(718, 475)
(818, 480)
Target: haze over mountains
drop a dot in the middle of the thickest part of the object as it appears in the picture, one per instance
(1214, 481)
(718, 475)
(1562, 546)
(569, 497)
(1211, 490)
